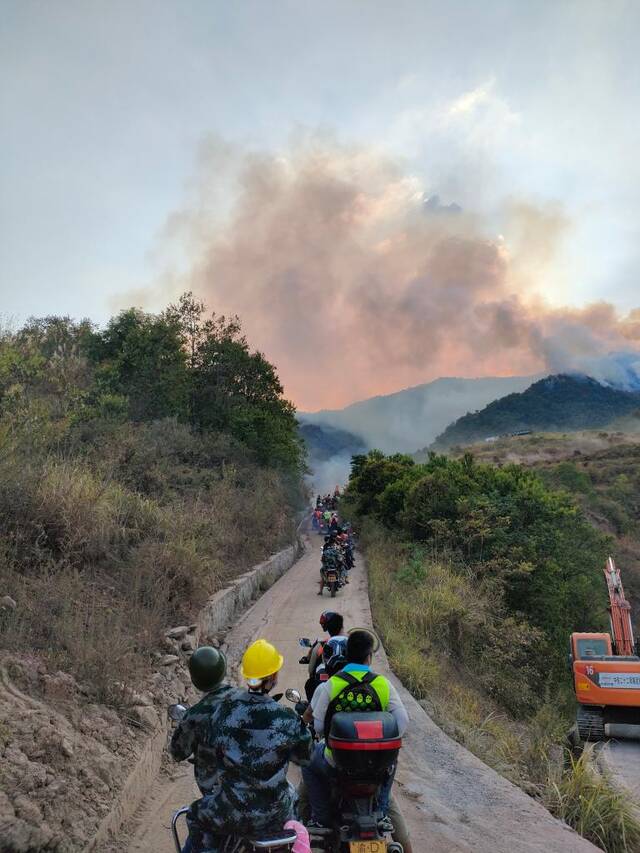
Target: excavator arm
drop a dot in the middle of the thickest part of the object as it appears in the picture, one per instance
(619, 612)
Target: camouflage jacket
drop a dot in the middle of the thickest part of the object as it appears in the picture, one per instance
(332, 558)
(192, 734)
(253, 739)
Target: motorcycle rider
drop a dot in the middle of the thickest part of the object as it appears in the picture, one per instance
(253, 738)
(207, 668)
(345, 543)
(333, 624)
(331, 560)
(319, 776)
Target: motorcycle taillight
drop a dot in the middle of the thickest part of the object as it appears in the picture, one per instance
(358, 789)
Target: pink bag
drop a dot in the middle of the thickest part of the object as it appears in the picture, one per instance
(302, 845)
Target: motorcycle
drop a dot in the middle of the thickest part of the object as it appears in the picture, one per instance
(331, 580)
(365, 747)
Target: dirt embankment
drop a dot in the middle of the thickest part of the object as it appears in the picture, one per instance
(452, 801)
(72, 771)
(63, 756)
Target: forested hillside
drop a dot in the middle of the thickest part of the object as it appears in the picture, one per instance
(555, 403)
(140, 466)
(601, 472)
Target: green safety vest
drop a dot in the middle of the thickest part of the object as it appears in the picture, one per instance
(379, 684)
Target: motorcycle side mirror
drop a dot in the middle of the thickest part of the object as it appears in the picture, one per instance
(292, 695)
(305, 642)
(176, 712)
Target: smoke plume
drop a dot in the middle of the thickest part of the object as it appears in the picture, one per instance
(355, 280)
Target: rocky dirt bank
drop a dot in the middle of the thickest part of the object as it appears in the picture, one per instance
(72, 770)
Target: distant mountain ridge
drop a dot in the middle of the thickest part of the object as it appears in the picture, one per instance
(324, 442)
(413, 417)
(557, 403)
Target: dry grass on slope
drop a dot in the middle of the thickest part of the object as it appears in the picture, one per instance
(548, 447)
(99, 566)
(585, 799)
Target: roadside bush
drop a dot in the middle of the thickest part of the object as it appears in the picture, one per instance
(503, 527)
(430, 612)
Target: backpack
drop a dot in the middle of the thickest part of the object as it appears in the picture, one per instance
(355, 697)
(334, 654)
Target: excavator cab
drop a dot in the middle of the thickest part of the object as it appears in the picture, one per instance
(588, 646)
(606, 672)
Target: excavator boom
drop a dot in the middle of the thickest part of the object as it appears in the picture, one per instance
(619, 612)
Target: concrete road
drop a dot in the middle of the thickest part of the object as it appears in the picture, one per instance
(451, 800)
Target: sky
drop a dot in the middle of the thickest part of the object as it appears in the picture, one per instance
(137, 138)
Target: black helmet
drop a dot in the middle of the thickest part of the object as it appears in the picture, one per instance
(207, 667)
(334, 655)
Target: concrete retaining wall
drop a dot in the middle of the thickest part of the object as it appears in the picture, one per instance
(219, 613)
(225, 606)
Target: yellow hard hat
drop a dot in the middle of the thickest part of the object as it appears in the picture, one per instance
(260, 660)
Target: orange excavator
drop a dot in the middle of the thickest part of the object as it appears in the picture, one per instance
(606, 671)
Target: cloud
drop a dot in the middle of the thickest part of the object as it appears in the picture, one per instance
(480, 117)
(469, 101)
(342, 280)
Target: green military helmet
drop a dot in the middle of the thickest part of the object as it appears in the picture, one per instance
(207, 667)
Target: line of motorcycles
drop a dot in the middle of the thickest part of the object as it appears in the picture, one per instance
(365, 747)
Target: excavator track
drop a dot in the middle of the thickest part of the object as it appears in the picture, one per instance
(590, 721)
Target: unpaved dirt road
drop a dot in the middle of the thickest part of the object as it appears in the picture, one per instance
(451, 800)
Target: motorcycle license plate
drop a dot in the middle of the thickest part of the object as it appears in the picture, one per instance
(367, 846)
(332, 577)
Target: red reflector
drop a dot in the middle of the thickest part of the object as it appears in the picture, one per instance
(369, 730)
(324, 677)
(365, 746)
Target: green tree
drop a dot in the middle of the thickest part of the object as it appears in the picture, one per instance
(141, 357)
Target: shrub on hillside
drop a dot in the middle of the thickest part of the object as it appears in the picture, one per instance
(140, 468)
(533, 547)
